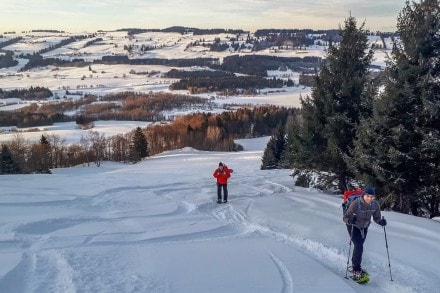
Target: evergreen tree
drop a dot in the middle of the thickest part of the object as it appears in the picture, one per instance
(343, 94)
(268, 160)
(39, 160)
(139, 148)
(306, 141)
(273, 156)
(7, 164)
(280, 144)
(46, 159)
(399, 147)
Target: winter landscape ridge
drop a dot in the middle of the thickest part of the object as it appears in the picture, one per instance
(101, 79)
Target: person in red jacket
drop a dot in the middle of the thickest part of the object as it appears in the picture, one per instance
(222, 174)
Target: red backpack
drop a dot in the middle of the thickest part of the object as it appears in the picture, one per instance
(349, 197)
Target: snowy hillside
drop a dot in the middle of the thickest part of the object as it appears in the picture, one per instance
(155, 227)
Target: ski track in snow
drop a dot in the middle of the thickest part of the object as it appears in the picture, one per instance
(49, 264)
(49, 253)
(284, 272)
(316, 250)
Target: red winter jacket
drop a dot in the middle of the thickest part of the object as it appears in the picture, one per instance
(222, 175)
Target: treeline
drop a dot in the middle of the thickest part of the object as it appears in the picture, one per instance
(211, 132)
(183, 30)
(7, 59)
(44, 113)
(51, 151)
(120, 106)
(295, 32)
(354, 132)
(175, 73)
(249, 64)
(259, 64)
(36, 60)
(301, 37)
(47, 31)
(202, 131)
(123, 59)
(92, 42)
(217, 31)
(31, 118)
(32, 93)
(141, 107)
(228, 85)
(62, 43)
(10, 42)
(288, 38)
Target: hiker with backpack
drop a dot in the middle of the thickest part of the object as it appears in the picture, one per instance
(222, 174)
(359, 210)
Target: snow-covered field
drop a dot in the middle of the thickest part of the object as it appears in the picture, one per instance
(103, 79)
(155, 227)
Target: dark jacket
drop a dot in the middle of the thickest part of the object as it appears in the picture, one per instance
(363, 212)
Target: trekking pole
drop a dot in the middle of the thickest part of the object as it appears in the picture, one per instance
(386, 244)
(349, 252)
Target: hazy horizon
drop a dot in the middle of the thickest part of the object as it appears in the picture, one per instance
(85, 15)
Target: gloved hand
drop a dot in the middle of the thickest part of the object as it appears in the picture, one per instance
(352, 220)
(383, 222)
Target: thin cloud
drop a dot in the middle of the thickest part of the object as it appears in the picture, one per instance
(246, 14)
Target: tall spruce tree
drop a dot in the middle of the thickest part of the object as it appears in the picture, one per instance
(273, 156)
(268, 161)
(342, 95)
(399, 147)
(139, 147)
(46, 159)
(7, 164)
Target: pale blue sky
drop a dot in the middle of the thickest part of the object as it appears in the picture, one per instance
(87, 15)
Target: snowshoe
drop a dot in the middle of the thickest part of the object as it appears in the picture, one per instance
(361, 277)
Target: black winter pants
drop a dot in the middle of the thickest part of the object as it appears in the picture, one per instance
(219, 191)
(358, 239)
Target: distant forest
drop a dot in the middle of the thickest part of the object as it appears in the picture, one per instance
(183, 30)
(204, 131)
(121, 106)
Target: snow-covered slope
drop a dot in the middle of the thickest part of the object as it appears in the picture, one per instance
(155, 227)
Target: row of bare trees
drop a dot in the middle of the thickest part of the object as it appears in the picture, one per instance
(20, 156)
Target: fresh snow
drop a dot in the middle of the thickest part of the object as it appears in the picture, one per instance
(155, 227)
